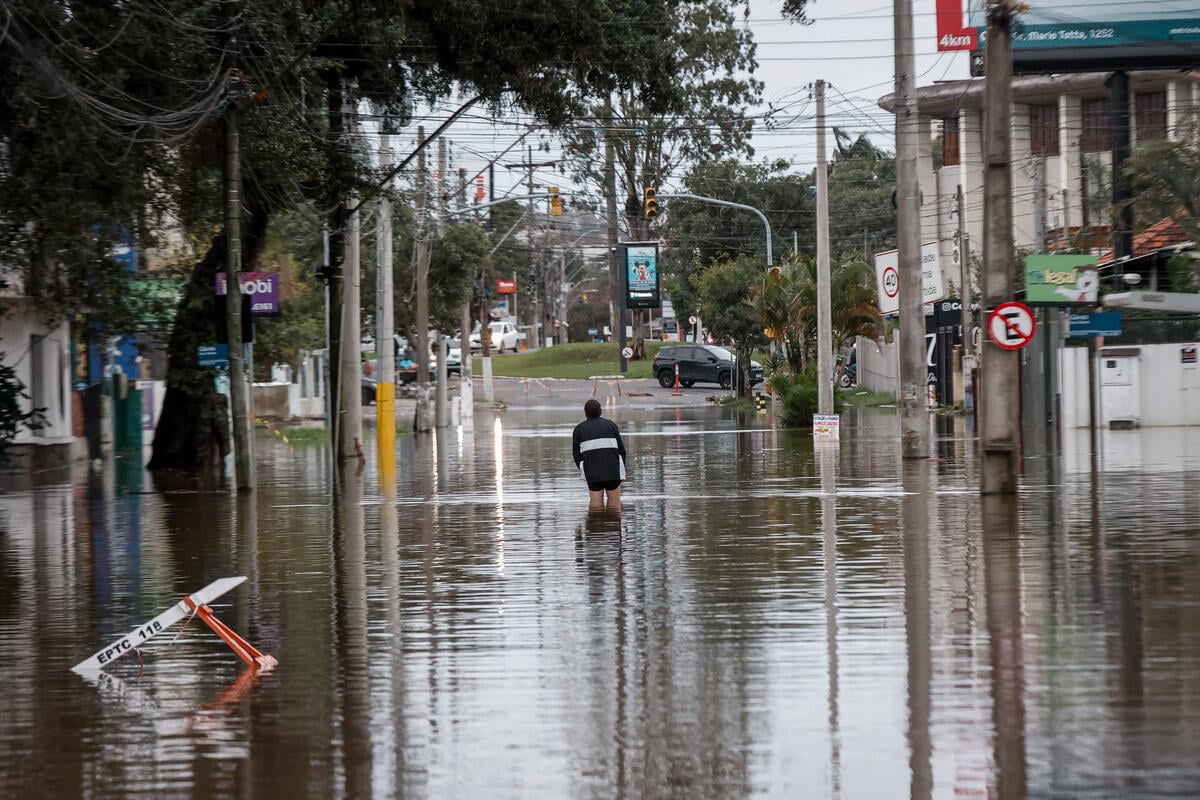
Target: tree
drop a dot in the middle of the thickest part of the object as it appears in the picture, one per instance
(13, 415)
(725, 290)
(111, 119)
(788, 306)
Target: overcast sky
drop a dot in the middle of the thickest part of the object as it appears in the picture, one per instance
(849, 44)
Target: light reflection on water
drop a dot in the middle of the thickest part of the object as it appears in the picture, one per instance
(765, 619)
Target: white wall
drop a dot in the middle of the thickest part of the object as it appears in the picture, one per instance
(41, 357)
(1168, 391)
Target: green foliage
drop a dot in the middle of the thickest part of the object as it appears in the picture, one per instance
(576, 360)
(725, 291)
(787, 305)
(13, 416)
(1166, 183)
(798, 394)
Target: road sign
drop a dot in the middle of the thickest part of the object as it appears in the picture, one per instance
(887, 278)
(139, 635)
(213, 355)
(1105, 323)
(626, 353)
(891, 282)
(1011, 325)
(692, 320)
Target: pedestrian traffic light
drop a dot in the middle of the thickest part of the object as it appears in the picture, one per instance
(556, 204)
(650, 202)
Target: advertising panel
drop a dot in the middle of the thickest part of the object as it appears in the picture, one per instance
(1065, 35)
(262, 287)
(641, 275)
(1059, 280)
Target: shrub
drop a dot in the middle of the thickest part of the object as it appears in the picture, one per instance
(798, 396)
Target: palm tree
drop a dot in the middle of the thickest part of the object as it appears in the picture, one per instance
(787, 306)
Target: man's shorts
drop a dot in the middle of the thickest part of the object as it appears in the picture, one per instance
(603, 486)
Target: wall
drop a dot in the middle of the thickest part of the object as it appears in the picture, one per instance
(1168, 391)
(878, 365)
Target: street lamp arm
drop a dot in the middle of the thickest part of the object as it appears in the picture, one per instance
(714, 201)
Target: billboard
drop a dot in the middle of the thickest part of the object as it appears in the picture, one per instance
(1069, 36)
(641, 275)
(1059, 280)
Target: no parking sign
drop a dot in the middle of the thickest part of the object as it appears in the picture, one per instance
(1011, 325)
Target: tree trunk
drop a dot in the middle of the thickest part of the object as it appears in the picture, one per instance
(192, 436)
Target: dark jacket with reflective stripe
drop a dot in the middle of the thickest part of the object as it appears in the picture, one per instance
(598, 450)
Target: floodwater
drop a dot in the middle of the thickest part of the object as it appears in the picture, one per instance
(765, 620)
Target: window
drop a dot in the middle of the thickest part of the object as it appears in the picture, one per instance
(1043, 130)
(950, 153)
(1150, 115)
(1097, 130)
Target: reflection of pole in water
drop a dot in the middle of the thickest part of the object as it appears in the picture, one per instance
(828, 460)
(1002, 581)
(350, 634)
(915, 530)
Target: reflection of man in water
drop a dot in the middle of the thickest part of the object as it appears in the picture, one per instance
(599, 453)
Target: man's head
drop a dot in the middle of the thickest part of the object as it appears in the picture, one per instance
(591, 409)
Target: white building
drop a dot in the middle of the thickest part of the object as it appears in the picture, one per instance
(39, 351)
(1061, 127)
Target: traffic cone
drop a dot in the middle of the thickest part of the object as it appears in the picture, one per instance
(676, 393)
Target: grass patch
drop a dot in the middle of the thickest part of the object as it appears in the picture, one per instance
(863, 398)
(574, 360)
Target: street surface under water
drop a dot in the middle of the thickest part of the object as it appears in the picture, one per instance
(766, 619)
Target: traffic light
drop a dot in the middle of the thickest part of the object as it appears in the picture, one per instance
(556, 204)
(650, 202)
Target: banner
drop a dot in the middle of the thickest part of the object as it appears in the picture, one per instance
(263, 288)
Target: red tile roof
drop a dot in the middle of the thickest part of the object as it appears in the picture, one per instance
(1164, 233)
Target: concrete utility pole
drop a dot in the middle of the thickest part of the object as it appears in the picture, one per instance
(530, 167)
(243, 457)
(914, 394)
(385, 325)
(610, 213)
(964, 275)
(350, 432)
(824, 312)
(999, 400)
(421, 420)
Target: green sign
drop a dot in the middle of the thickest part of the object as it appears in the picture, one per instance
(1059, 280)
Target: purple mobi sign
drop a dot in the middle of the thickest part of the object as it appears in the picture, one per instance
(263, 288)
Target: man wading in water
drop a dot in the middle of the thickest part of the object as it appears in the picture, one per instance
(600, 455)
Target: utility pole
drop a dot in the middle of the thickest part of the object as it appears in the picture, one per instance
(610, 213)
(914, 394)
(530, 166)
(349, 444)
(385, 326)
(824, 312)
(243, 458)
(964, 274)
(999, 401)
(421, 422)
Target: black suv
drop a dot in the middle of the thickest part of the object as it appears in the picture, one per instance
(699, 363)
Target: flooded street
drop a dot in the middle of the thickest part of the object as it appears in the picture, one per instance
(767, 619)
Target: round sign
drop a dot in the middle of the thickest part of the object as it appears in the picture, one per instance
(891, 282)
(692, 320)
(1011, 325)
(626, 353)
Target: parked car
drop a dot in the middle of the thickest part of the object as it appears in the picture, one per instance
(699, 363)
(368, 389)
(504, 336)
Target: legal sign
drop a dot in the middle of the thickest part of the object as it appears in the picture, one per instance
(1061, 279)
(263, 288)
(1011, 325)
(1104, 323)
(506, 286)
(887, 278)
